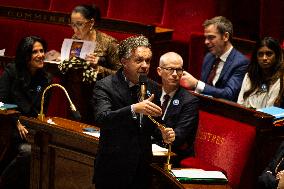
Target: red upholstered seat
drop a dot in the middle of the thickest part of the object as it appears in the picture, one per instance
(224, 144)
(54, 34)
(144, 11)
(11, 33)
(197, 51)
(58, 104)
(187, 16)
(39, 4)
(117, 35)
(68, 6)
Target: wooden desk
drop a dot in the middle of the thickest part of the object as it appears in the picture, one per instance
(6, 127)
(63, 157)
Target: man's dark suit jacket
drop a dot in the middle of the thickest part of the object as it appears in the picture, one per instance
(268, 180)
(182, 116)
(230, 81)
(124, 146)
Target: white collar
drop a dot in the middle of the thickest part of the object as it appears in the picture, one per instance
(171, 94)
(224, 56)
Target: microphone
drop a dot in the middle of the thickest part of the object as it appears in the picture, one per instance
(76, 115)
(143, 81)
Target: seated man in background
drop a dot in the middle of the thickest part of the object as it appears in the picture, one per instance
(180, 108)
(223, 67)
(124, 152)
(273, 175)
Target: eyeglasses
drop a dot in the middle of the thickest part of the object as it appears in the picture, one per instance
(179, 71)
(79, 25)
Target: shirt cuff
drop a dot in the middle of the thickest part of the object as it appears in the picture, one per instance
(134, 116)
(200, 87)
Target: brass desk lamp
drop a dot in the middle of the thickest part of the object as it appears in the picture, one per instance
(41, 115)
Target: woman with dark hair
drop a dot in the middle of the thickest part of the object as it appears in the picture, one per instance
(80, 74)
(22, 83)
(104, 61)
(263, 83)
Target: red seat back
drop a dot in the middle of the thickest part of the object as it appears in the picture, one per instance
(187, 16)
(224, 143)
(58, 105)
(197, 51)
(54, 34)
(68, 6)
(11, 33)
(117, 35)
(144, 11)
(39, 4)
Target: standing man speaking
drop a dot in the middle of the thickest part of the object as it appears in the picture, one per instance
(124, 152)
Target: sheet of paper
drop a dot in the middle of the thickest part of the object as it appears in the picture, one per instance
(52, 61)
(158, 150)
(198, 174)
(95, 134)
(76, 48)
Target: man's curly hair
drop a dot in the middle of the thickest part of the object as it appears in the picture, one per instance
(127, 45)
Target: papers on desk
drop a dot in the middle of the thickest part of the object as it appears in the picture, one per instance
(278, 113)
(4, 106)
(95, 134)
(199, 176)
(2, 52)
(158, 150)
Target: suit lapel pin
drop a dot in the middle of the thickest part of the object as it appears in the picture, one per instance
(38, 88)
(148, 93)
(176, 102)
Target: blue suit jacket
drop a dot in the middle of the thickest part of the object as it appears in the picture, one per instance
(230, 81)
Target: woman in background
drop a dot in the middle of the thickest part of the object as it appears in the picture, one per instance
(263, 83)
(22, 83)
(81, 74)
(104, 60)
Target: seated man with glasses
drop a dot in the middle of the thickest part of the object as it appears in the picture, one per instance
(180, 108)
